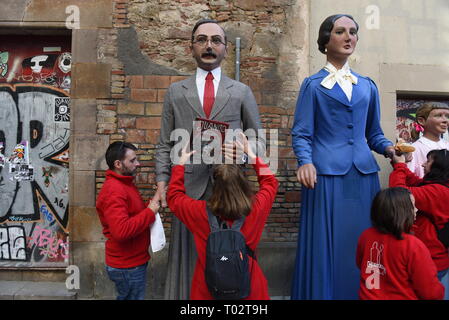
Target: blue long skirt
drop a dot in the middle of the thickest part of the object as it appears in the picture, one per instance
(333, 215)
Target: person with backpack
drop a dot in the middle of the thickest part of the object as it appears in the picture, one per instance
(431, 194)
(232, 199)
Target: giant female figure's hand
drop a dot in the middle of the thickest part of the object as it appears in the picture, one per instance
(306, 175)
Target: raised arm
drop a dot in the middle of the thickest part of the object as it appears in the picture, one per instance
(264, 198)
(424, 195)
(187, 210)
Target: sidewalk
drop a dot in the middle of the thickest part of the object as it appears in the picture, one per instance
(31, 290)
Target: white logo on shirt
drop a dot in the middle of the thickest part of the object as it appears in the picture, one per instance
(374, 268)
(223, 258)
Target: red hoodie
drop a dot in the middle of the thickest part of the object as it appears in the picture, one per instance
(126, 222)
(432, 199)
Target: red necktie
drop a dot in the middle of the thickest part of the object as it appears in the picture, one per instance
(209, 96)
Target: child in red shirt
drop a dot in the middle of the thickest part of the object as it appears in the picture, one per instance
(433, 213)
(395, 265)
(231, 198)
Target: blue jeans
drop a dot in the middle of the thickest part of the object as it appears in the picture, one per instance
(129, 282)
(444, 278)
(441, 274)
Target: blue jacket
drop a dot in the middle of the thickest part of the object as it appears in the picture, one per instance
(333, 133)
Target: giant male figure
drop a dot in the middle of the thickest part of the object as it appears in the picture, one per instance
(206, 94)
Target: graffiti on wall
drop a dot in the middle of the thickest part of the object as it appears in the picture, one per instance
(43, 60)
(12, 243)
(405, 116)
(34, 151)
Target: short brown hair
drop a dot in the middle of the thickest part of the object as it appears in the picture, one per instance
(423, 112)
(232, 193)
(204, 21)
(117, 151)
(392, 211)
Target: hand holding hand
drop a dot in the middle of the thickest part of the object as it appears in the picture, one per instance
(160, 195)
(154, 205)
(389, 152)
(398, 158)
(408, 156)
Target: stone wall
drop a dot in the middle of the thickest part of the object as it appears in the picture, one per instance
(157, 35)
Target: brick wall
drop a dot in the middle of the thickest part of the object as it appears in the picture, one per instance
(133, 113)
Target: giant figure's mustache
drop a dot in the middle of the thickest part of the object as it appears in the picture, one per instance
(209, 53)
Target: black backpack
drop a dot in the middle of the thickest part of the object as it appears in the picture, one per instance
(227, 264)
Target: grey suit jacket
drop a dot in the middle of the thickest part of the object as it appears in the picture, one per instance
(234, 104)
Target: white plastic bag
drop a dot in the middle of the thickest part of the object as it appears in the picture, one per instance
(157, 235)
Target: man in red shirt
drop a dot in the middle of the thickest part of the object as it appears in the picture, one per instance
(126, 222)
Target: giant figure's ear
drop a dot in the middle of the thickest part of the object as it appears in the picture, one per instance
(421, 120)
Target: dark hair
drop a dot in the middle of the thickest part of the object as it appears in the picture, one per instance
(117, 151)
(204, 21)
(439, 171)
(231, 193)
(326, 27)
(392, 211)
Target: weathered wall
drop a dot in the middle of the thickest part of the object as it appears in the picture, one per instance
(91, 80)
(34, 136)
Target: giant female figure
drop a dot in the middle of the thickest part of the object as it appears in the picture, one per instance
(336, 126)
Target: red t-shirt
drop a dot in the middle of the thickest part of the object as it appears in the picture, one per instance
(194, 215)
(126, 222)
(432, 199)
(392, 269)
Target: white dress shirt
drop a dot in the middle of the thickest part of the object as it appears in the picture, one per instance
(201, 81)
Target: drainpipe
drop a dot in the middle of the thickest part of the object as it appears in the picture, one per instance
(237, 59)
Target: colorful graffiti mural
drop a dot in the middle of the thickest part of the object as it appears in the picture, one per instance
(34, 151)
(405, 116)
